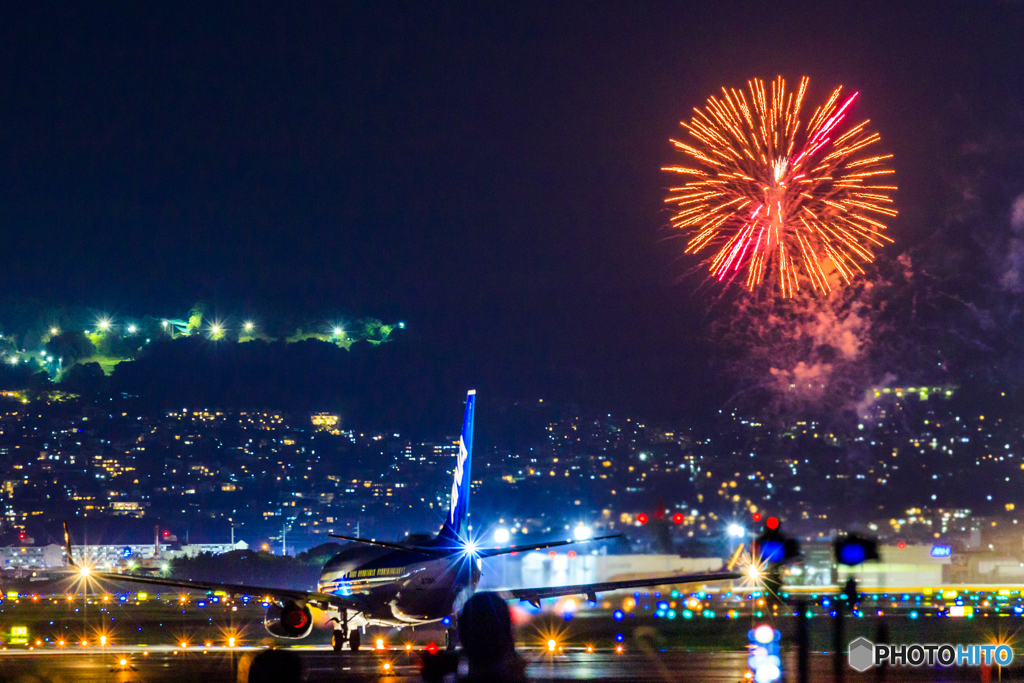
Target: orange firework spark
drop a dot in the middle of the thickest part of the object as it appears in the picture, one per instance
(778, 198)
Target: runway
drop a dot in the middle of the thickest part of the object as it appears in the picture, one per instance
(214, 665)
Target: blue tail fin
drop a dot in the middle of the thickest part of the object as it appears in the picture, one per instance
(455, 526)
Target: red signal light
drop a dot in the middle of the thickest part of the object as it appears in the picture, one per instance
(167, 533)
(21, 537)
(772, 523)
(432, 648)
(551, 554)
(757, 516)
(642, 518)
(572, 554)
(901, 545)
(677, 518)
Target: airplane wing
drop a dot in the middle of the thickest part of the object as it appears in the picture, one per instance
(493, 552)
(319, 600)
(535, 595)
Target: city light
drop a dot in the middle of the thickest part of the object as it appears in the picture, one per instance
(132, 329)
(104, 324)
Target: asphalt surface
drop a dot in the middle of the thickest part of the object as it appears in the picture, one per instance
(221, 664)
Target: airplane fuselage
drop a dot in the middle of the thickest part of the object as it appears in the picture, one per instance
(398, 587)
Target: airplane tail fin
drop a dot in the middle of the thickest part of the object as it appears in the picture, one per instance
(456, 524)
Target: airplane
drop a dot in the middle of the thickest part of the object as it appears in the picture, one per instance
(419, 581)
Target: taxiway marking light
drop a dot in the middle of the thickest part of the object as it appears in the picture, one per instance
(380, 643)
(552, 645)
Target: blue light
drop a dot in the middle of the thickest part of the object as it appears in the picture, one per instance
(941, 551)
(662, 605)
(618, 638)
(913, 614)
(447, 621)
(852, 553)
(773, 551)
(618, 615)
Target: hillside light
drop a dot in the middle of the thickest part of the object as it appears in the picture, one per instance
(132, 329)
(54, 331)
(249, 326)
(104, 324)
(338, 331)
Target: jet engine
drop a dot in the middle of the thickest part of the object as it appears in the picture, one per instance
(290, 620)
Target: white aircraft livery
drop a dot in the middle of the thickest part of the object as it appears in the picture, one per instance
(400, 584)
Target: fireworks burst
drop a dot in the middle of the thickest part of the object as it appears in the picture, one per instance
(779, 199)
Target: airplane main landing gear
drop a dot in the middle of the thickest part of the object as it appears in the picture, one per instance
(451, 638)
(337, 639)
(342, 634)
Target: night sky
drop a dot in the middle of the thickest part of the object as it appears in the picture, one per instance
(488, 174)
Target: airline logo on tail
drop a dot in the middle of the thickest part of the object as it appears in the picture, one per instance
(463, 454)
(459, 503)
